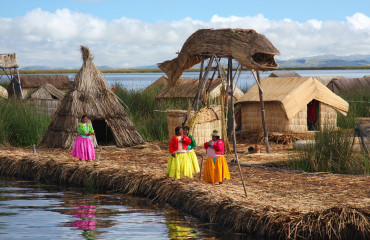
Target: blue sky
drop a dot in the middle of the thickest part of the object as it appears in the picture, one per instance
(144, 32)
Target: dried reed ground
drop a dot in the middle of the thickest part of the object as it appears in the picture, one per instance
(280, 204)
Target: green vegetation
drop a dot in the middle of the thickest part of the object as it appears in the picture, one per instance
(20, 124)
(4, 84)
(140, 106)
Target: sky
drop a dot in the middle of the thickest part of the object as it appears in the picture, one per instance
(134, 33)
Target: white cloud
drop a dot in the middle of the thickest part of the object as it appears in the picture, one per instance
(53, 39)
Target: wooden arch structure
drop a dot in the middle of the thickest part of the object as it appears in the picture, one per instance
(9, 67)
(250, 49)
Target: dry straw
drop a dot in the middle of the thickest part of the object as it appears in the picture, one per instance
(89, 96)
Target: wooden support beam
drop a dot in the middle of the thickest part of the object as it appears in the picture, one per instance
(263, 115)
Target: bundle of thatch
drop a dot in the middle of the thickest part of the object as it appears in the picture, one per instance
(8, 60)
(3, 92)
(90, 96)
(47, 91)
(250, 49)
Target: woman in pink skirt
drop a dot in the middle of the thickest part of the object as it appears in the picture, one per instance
(83, 147)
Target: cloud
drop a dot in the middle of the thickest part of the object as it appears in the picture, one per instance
(53, 38)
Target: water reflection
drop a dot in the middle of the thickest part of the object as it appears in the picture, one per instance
(177, 229)
(86, 215)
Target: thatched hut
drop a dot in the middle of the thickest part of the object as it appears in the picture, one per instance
(159, 83)
(91, 96)
(186, 88)
(349, 85)
(205, 121)
(46, 99)
(251, 49)
(284, 74)
(3, 92)
(295, 104)
(31, 82)
(325, 80)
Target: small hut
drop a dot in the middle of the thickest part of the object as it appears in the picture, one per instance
(91, 96)
(294, 104)
(284, 74)
(160, 83)
(46, 99)
(204, 121)
(3, 92)
(349, 85)
(186, 88)
(325, 80)
(31, 82)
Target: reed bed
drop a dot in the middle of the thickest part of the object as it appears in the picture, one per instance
(280, 204)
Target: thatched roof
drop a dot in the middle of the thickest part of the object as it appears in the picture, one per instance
(250, 49)
(8, 60)
(89, 96)
(3, 92)
(348, 85)
(59, 81)
(284, 74)
(187, 88)
(294, 93)
(160, 82)
(325, 80)
(47, 91)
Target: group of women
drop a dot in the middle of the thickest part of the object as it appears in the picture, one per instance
(183, 161)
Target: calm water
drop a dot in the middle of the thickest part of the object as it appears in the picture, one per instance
(142, 80)
(29, 210)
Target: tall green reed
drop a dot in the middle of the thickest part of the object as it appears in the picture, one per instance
(20, 124)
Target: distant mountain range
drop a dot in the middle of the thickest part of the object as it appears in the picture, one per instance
(358, 60)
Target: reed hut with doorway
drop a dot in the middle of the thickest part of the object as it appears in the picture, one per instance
(293, 104)
(3, 92)
(186, 88)
(31, 82)
(202, 123)
(284, 74)
(46, 99)
(91, 96)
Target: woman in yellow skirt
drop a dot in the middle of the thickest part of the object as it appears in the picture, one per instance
(179, 164)
(215, 167)
(190, 151)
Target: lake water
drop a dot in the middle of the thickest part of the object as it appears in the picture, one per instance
(30, 210)
(142, 80)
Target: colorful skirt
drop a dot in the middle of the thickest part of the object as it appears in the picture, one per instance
(83, 148)
(217, 171)
(194, 161)
(180, 166)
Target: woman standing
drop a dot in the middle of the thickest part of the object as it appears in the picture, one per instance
(215, 167)
(190, 151)
(179, 164)
(83, 147)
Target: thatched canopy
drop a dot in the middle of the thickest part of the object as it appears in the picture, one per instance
(294, 93)
(251, 49)
(3, 92)
(285, 74)
(349, 85)
(90, 96)
(8, 60)
(187, 88)
(47, 91)
(59, 81)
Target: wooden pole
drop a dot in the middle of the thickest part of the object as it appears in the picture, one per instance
(265, 135)
(233, 127)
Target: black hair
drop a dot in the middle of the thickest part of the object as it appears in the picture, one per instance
(83, 116)
(177, 129)
(218, 137)
(186, 127)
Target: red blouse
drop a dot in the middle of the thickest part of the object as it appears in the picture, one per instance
(174, 143)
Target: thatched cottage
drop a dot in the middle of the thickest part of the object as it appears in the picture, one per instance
(91, 96)
(31, 82)
(292, 104)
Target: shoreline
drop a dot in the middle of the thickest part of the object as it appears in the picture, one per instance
(270, 210)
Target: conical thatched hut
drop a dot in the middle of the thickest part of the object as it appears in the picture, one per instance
(293, 104)
(90, 95)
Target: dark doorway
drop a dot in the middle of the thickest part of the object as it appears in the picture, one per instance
(104, 135)
(313, 110)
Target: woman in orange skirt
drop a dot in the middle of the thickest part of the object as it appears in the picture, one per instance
(215, 167)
